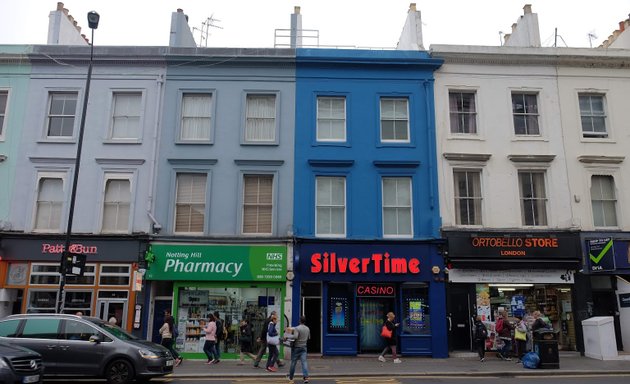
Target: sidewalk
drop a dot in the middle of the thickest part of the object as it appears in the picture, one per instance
(333, 367)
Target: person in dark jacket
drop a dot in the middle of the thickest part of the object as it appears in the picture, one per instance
(480, 335)
(262, 339)
(390, 341)
(245, 341)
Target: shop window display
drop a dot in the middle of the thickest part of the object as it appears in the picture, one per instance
(552, 300)
(416, 310)
(233, 305)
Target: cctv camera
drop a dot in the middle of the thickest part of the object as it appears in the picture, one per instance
(93, 19)
(157, 228)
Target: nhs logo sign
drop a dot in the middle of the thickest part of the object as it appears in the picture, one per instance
(275, 256)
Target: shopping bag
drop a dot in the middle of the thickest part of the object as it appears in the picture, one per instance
(386, 332)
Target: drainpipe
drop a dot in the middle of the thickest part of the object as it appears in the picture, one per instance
(156, 227)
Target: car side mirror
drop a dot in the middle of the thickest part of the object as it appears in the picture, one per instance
(95, 339)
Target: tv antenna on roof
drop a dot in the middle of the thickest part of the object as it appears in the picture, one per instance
(591, 36)
(205, 28)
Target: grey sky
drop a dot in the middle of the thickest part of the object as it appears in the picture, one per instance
(366, 23)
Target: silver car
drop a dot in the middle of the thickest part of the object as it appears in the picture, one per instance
(80, 346)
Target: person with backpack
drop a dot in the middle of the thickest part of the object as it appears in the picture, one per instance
(504, 331)
(480, 335)
(168, 333)
(221, 332)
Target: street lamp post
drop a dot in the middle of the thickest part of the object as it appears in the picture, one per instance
(93, 19)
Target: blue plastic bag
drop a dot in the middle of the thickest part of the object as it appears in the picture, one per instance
(531, 360)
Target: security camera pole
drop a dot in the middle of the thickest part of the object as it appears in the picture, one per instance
(68, 256)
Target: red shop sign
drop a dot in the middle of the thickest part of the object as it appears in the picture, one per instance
(376, 290)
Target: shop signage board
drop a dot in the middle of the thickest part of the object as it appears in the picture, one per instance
(376, 290)
(51, 249)
(557, 245)
(366, 262)
(531, 276)
(201, 262)
(601, 254)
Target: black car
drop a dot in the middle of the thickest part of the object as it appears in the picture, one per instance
(79, 346)
(19, 365)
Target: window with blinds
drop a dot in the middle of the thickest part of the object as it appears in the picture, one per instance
(196, 124)
(126, 112)
(257, 204)
(260, 125)
(190, 203)
(49, 204)
(116, 205)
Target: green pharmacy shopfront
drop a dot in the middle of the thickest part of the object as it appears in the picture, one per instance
(193, 280)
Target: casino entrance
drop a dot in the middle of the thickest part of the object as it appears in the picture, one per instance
(371, 315)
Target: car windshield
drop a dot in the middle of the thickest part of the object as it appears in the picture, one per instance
(116, 331)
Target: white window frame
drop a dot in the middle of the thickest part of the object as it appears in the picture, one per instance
(204, 202)
(138, 117)
(475, 201)
(258, 205)
(49, 116)
(128, 275)
(395, 118)
(614, 200)
(5, 114)
(592, 115)
(330, 206)
(62, 214)
(210, 117)
(398, 206)
(533, 199)
(117, 176)
(276, 120)
(459, 114)
(329, 119)
(526, 115)
(56, 274)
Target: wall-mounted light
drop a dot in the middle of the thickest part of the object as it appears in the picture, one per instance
(435, 270)
(290, 275)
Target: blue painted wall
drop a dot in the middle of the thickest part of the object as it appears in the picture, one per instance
(363, 77)
(229, 74)
(14, 79)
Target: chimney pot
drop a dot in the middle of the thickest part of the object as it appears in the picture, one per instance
(60, 6)
(296, 9)
(514, 27)
(179, 10)
(622, 25)
(412, 7)
(527, 8)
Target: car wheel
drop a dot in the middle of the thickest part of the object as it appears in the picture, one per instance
(119, 372)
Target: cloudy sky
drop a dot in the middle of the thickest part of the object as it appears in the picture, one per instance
(356, 23)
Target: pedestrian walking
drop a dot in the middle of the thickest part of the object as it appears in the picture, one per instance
(300, 334)
(262, 339)
(480, 335)
(273, 340)
(167, 331)
(504, 331)
(220, 332)
(210, 346)
(245, 339)
(520, 337)
(388, 332)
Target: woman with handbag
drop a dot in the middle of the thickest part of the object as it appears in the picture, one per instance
(245, 341)
(273, 340)
(520, 335)
(388, 332)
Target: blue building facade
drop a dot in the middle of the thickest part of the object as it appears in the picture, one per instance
(366, 216)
